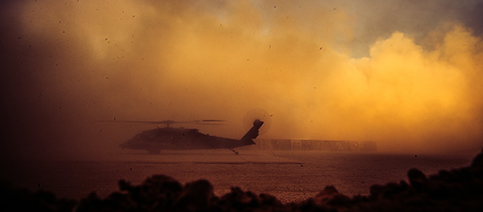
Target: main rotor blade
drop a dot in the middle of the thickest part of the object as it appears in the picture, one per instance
(208, 121)
(203, 122)
(142, 122)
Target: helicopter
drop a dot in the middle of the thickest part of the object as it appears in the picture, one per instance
(169, 138)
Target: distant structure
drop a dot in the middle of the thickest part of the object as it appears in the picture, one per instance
(314, 145)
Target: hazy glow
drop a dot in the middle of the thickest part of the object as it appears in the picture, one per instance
(69, 63)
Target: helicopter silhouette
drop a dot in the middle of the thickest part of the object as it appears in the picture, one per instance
(168, 138)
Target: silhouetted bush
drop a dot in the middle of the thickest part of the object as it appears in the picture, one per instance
(455, 190)
(23, 200)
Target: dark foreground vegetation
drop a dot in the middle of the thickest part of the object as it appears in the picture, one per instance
(456, 190)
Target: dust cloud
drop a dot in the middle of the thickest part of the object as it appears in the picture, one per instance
(398, 73)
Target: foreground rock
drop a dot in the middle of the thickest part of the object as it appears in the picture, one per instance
(455, 190)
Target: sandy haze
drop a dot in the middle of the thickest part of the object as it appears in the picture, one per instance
(406, 74)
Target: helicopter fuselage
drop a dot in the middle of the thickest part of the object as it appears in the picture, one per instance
(167, 138)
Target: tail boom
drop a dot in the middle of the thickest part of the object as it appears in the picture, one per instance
(252, 133)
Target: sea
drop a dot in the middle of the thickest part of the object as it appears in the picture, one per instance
(291, 176)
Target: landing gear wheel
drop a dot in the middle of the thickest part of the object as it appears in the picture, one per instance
(236, 153)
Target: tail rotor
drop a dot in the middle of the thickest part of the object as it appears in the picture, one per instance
(257, 114)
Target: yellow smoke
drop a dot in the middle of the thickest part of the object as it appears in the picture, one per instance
(415, 99)
(173, 60)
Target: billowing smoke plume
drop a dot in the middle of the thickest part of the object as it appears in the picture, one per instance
(332, 70)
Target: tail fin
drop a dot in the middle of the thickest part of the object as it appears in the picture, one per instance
(252, 133)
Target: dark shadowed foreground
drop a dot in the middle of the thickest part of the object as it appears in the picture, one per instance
(456, 190)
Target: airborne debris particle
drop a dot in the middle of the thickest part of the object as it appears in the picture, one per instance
(321, 48)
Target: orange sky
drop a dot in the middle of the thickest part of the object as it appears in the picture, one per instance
(397, 73)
